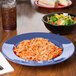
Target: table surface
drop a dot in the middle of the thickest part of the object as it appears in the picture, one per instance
(29, 20)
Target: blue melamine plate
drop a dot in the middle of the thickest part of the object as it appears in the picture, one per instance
(68, 48)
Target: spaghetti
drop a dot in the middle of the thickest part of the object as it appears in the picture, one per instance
(38, 49)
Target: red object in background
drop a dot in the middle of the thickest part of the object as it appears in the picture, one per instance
(75, 18)
(60, 6)
(53, 23)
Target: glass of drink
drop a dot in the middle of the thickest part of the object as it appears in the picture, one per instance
(8, 9)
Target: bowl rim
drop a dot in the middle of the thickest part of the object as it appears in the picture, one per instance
(57, 13)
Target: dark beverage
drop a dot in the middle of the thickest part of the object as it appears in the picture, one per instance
(9, 18)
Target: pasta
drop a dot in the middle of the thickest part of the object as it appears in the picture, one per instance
(38, 49)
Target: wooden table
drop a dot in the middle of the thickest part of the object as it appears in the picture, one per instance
(29, 20)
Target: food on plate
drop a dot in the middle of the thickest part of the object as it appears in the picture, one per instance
(64, 2)
(38, 49)
(52, 3)
(61, 19)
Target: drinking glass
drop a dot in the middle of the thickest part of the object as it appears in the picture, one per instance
(9, 15)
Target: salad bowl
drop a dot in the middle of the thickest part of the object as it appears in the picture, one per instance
(59, 29)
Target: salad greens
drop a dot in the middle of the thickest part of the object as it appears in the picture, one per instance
(60, 19)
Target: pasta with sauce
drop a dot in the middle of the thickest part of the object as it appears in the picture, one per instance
(38, 49)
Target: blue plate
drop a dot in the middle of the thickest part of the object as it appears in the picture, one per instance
(68, 48)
